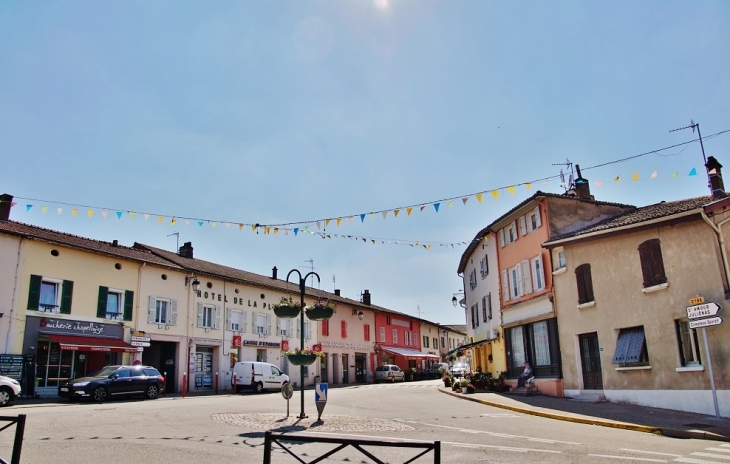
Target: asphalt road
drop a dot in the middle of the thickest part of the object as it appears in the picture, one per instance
(229, 429)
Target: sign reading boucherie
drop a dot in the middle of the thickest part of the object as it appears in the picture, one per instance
(702, 310)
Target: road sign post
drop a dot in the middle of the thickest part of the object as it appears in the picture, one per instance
(320, 398)
(703, 315)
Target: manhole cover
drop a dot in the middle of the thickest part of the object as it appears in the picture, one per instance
(281, 423)
(699, 426)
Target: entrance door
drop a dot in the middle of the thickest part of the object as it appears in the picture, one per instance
(323, 369)
(360, 369)
(345, 363)
(591, 361)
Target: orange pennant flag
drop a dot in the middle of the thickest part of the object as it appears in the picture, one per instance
(240, 226)
(528, 186)
(395, 212)
(339, 221)
(327, 222)
(408, 210)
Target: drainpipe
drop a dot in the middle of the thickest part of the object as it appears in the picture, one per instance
(721, 241)
(139, 298)
(15, 299)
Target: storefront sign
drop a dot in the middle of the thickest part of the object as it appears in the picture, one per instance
(259, 343)
(72, 327)
(141, 339)
(285, 345)
(136, 343)
(11, 365)
(236, 341)
(352, 346)
(317, 348)
(205, 341)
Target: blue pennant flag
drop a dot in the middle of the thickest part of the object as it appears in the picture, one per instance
(436, 206)
(119, 214)
(362, 218)
(296, 231)
(200, 223)
(693, 172)
(28, 207)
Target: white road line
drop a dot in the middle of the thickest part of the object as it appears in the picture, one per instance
(499, 435)
(725, 446)
(720, 450)
(652, 452)
(626, 457)
(457, 444)
(710, 455)
(696, 461)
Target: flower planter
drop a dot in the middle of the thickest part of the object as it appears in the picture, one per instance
(319, 313)
(286, 311)
(302, 359)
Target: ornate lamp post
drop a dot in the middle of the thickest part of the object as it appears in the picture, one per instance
(302, 281)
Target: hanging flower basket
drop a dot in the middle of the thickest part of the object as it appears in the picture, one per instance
(303, 357)
(320, 310)
(286, 309)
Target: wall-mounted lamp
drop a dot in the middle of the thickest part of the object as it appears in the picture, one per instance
(455, 300)
(196, 284)
(360, 315)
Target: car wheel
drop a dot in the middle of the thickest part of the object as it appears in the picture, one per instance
(259, 387)
(152, 392)
(99, 394)
(392, 379)
(5, 396)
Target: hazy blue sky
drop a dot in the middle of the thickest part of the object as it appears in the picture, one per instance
(276, 112)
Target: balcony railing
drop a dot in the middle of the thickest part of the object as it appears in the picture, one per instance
(115, 316)
(47, 308)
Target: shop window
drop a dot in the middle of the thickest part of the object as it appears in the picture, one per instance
(585, 283)
(652, 263)
(689, 347)
(161, 311)
(50, 295)
(631, 348)
(115, 304)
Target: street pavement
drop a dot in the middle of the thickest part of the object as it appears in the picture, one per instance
(666, 422)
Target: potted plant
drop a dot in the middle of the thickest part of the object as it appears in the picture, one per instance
(470, 387)
(410, 373)
(320, 310)
(302, 357)
(286, 308)
(447, 380)
(464, 384)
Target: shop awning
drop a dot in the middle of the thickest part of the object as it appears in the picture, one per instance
(467, 346)
(409, 353)
(75, 343)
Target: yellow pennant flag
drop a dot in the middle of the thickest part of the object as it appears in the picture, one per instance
(676, 174)
(132, 214)
(511, 189)
(266, 230)
(160, 219)
(253, 228)
(409, 210)
(173, 221)
(479, 197)
(276, 230)
(339, 221)
(635, 176)
(395, 212)
(44, 209)
(617, 179)
(428, 247)
(74, 212)
(90, 212)
(327, 222)
(213, 224)
(451, 203)
(495, 194)
(528, 186)
(240, 226)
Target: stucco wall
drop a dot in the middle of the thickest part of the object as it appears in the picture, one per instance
(10, 251)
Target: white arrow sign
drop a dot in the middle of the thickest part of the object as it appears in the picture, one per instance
(710, 321)
(703, 310)
(136, 343)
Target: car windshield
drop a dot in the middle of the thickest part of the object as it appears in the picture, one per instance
(104, 372)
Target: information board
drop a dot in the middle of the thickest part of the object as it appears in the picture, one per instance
(11, 365)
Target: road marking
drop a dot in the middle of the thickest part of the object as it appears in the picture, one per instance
(725, 446)
(695, 461)
(710, 455)
(494, 434)
(652, 452)
(721, 450)
(499, 415)
(626, 457)
(452, 443)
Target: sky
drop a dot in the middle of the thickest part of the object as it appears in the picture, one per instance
(275, 112)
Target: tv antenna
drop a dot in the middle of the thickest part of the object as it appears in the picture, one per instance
(568, 166)
(695, 125)
(177, 240)
(311, 268)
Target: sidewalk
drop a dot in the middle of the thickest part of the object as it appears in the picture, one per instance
(667, 422)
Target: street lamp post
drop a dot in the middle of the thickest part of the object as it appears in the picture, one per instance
(302, 281)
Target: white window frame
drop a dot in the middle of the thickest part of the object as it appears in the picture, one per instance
(406, 338)
(115, 315)
(693, 346)
(473, 279)
(208, 317)
(231, 320)
(58, 284)
(257, 319)
(158, 319)
(153, 312)
(505, 285)
(559, 258)
(538, 273)
(382, 335)
(515, 281)
(395, 336)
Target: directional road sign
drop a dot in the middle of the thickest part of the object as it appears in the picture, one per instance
(703, 310)
(710, 321)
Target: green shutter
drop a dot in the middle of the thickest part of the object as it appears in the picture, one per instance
(34, 296)
(128, 305)
(67, 290)
(101, 306)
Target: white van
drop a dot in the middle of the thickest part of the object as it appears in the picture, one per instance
(258, 376)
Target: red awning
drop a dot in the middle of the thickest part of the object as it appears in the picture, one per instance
(409, 353)
(75, 343)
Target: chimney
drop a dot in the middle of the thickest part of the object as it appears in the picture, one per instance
(582, 187)
(714, 173)
(337, 292)
(6, 202)
(186, 251)
(366, 297)
(273, 272)
(115, 243)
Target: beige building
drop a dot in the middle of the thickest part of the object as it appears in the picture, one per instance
(622, 288)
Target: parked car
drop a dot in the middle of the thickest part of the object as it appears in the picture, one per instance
(435, 370)
(115, 381)
(459, 369)
(9, 390)
(265, 376)
(389, 373)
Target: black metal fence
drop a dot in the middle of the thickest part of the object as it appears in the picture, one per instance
(271, 439)
(19, 422)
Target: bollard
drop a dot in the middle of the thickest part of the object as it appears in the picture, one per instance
(234, 383)
(164, 384)
(216, 383)
(185, 384)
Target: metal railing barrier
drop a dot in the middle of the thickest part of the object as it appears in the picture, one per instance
(19, 422)
(276, 438)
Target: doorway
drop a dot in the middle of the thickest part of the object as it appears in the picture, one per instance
(162, 356)
(345, 362)
(360, 369)
(591, 361)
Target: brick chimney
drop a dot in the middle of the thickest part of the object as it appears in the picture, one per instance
(6, 201)
(582, 187)
(186, 251)
(714, 173)
(366, 297)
